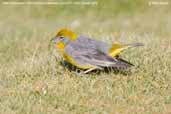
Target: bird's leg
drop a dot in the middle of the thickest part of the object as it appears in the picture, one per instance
(91, 69)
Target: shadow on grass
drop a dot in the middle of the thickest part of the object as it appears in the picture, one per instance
(107, 70)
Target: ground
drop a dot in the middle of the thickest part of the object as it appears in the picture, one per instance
(32, 80)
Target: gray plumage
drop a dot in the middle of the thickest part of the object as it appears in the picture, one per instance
(86, 51)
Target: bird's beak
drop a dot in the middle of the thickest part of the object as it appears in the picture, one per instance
(54, 40)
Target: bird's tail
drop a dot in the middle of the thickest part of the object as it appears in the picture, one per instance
(118, 48)
(135, 44)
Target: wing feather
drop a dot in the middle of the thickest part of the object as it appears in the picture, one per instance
(85, 54)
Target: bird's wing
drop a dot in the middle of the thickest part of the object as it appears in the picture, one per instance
(83, 54)
(98, 58)
(94, 43)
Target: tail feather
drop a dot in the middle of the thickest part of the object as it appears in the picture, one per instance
(135, 44)
(117, 48)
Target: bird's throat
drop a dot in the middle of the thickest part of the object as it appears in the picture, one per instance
(60, 45)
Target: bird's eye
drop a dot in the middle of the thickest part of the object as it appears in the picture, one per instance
(61, 37)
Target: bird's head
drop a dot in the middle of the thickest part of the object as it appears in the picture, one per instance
(63, 37)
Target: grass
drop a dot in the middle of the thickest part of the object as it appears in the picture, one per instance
(33, 82)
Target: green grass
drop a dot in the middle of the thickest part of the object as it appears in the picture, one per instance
(32, 81)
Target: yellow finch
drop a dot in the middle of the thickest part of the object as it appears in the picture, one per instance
(89, 54)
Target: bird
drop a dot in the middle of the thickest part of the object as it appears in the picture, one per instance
(88, 53)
